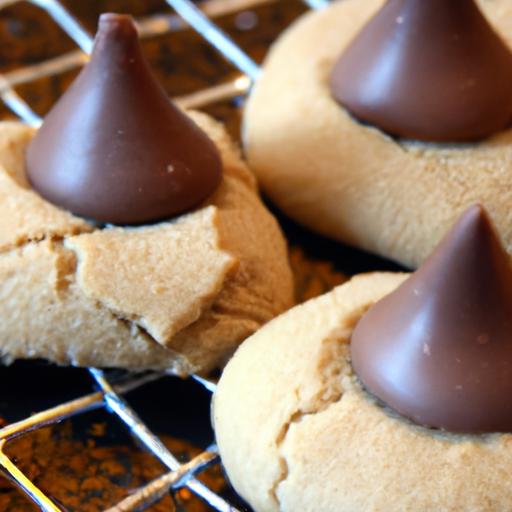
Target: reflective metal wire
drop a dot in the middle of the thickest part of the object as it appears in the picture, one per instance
(159, 487)
(216, 37)
(67, 22)
(130, 418)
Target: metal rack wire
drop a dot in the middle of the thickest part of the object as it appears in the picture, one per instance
(110, 390)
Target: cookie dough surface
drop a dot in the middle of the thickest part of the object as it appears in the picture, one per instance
(180, 294)
(297, 432)
(352, 182)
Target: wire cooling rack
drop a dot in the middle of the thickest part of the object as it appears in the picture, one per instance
(110, 388)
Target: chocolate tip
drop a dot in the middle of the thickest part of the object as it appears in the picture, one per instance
(110, 22)
(479, 209)
(475, 213)
(477, 218)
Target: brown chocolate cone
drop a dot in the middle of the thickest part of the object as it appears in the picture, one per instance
(114, 148)
(438, 350)
(431, 70)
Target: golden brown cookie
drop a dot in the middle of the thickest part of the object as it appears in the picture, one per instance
(180, 294)
(353, 182)
(296, 431)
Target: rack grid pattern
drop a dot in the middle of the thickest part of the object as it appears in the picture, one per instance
(111, 388)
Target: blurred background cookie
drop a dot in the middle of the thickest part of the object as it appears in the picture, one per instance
(347, 141)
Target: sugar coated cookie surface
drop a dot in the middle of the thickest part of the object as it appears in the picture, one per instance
(179, 294)
(351, 181)
(296, 431)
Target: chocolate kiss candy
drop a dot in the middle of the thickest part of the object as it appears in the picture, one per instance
(431, 70)
(114, 148)
(438, 349)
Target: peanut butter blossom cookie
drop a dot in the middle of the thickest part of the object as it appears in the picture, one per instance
(392, 392)
(377, 123)
(131, 232)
